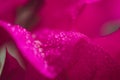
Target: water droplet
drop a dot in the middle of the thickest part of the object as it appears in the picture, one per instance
(56, 36)
(40, 49)
(37, 43)
(43, 55)
(46, 65)
(9, 24)
(33, 36)
(13, 29)
(28, 41)
(35, 51)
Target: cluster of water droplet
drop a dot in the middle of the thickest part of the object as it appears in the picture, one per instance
(55, 52)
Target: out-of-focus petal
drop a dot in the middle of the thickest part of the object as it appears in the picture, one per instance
(12, 70)
(13, 51)
(96, 15)
(62, 14)
(8, 9)
(2, 58)
(111, 44)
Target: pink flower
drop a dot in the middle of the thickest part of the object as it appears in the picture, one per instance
(45, 54)
(54, 55)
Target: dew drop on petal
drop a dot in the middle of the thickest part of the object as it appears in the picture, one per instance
(13, 29)
(8, 24)
(28, 41)
(40, 49)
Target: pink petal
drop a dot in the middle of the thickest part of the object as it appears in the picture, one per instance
(8, 9)
(61, 55)
(111, 44)
(97, 14)
(61, 14)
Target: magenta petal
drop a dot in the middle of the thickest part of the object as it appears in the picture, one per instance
(96, 15)
(111, 44)
(87, 61)
(28, 47)
(94, 64)
(62, 14)
(62, 55)
(42, 55)
(8, 9)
